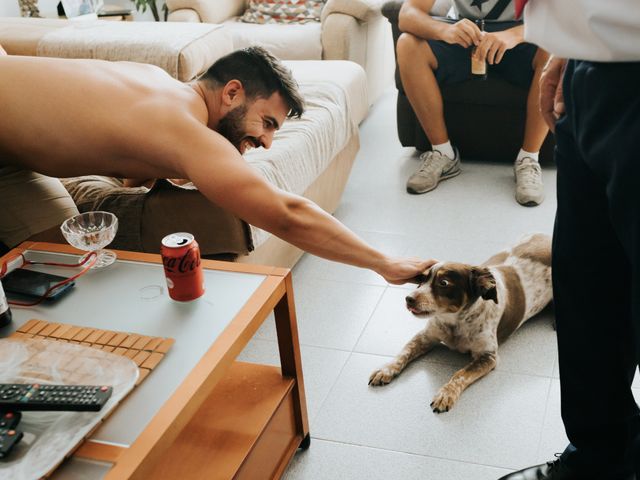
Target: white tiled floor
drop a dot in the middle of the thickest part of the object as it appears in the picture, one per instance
(351, 322)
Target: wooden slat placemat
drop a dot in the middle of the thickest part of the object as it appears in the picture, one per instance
(146, 352)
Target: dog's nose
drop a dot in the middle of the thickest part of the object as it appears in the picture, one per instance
(410, 301)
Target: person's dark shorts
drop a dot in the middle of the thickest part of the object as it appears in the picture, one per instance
(454, 61)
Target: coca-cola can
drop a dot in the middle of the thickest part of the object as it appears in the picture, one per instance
(182, 266)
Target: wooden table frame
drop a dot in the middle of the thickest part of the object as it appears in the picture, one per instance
(158, 450)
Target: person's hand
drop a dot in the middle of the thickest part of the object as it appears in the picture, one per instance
(493, 45)
(400, 270)
(464, 33)
(551, 96)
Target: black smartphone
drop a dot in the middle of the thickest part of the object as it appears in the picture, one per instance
(29, 283)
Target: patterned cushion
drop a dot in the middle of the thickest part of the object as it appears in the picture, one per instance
(283, 11)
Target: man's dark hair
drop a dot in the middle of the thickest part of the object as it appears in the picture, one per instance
(261, 75)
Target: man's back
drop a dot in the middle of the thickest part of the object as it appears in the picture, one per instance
(66, 117)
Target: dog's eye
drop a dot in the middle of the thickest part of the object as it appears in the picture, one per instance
(443, 282)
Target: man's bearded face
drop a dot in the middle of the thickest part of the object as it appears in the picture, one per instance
(233, 127)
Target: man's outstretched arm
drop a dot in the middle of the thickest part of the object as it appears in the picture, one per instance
(223, 176)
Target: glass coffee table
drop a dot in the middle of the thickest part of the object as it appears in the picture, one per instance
(200, 413)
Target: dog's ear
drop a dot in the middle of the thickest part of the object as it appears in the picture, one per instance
(484, 284)
(422, 277)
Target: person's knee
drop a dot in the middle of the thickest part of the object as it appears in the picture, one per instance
(411, 49)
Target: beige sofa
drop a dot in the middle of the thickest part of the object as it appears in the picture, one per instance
(349, 30)
(311, 156)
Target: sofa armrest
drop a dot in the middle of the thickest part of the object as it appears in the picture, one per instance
(184, 15)
(210, 11)
(391, 10)
(362, 10)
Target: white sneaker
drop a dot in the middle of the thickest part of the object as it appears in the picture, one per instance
(529, 189)
(434, 167)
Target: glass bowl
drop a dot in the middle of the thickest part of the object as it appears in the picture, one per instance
(92, 231)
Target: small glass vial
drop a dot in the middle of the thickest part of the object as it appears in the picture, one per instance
(478, 67)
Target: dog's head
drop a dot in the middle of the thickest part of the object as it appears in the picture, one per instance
(450, 287)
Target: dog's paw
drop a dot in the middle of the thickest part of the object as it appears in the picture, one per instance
(444, 399)
(383, 376)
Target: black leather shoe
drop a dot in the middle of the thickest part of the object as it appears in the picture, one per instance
(555, 470)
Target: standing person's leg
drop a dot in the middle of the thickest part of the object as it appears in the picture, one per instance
(423, 66)
(592, 275)
(592, 289)
(608, 135)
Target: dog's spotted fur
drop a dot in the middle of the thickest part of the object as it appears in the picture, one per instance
(473, 309)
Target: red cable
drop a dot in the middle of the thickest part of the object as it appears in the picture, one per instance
(92, 255)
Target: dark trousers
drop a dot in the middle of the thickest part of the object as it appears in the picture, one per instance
(596, 265)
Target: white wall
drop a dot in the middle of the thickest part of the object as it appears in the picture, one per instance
(9, 8)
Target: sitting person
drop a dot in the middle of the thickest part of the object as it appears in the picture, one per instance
(71, 117)
(433, 53)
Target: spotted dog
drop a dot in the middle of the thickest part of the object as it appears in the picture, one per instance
(474, 309)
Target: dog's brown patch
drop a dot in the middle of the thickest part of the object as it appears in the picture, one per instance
(538, 249)
(497, 259)
(515, 307)
(456, 294)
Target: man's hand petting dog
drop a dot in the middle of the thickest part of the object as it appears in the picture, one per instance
(473, 309)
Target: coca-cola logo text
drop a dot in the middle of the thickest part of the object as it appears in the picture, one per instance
(185, 264)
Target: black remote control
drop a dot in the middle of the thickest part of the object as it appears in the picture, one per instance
(9, 419)
(32, 396)
(8, 438)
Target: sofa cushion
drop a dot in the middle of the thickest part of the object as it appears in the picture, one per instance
(283, 11)
(279, 38)
(183, 50)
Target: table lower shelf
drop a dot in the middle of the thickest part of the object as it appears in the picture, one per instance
(246, 429)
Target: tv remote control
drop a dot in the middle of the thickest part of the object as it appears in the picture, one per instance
(9, 419)
(8, 438)
(32, 396)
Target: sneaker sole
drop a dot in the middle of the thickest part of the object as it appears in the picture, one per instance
(530, 203)
(455, 173)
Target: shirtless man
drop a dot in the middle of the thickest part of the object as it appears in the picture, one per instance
(65, 117)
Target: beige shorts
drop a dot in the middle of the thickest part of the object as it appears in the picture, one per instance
(30, 203)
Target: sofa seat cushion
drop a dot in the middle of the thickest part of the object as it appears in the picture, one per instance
(184, 50)
(285, 41)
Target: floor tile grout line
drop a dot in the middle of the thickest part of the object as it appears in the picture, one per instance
(322, 403)
(544, 418)
(337, 442)
(439, 362)
(329, 391)
(369, 319)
